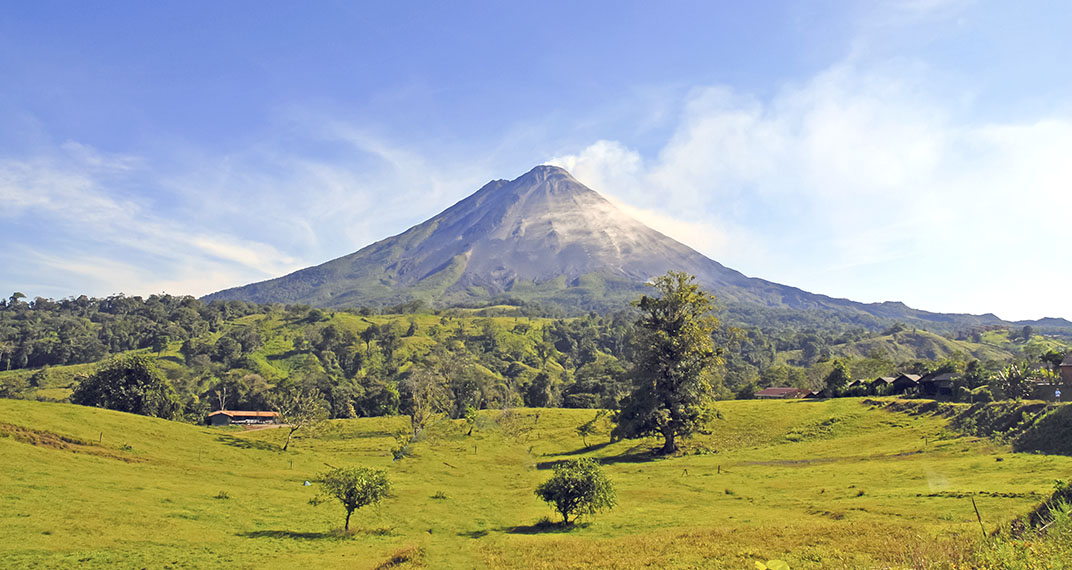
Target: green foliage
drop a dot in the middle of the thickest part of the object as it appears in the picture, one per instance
(578, 487)
(676, 358)
(129, 383)
(354, 487)
(1014, 381)
(837, 379)
(299, 408)
(589, 427)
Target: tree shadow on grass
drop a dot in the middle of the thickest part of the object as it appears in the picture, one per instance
(335, 534)
(643, 456)
(244, 443)
(283, 356)
(583, 450)
(293, 535)
(547, 527)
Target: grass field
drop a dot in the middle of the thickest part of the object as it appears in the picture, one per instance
(819, 484)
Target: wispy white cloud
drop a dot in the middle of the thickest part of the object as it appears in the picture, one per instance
(194, 222)
(859, 182)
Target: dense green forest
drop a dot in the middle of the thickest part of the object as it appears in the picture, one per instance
(361, 362)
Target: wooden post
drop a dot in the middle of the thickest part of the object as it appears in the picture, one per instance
(979, 518)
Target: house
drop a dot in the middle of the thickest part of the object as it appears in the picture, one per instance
(904, 383)
(882, 385)
(783, 393)
(228, 417)
(935, 385)
(1066, 370)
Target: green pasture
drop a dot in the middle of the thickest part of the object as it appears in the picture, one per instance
(819, 484)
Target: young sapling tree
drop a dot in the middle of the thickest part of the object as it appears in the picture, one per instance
(354, 487)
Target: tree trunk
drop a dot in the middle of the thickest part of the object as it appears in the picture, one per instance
(289, 435)
(670, 445)
(347, 526)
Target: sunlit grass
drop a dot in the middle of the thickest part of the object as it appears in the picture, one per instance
(829, 484)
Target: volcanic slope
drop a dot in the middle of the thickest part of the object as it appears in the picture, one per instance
(542, 237)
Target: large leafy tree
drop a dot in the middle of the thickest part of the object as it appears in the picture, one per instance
(675, 363)
(129, 383)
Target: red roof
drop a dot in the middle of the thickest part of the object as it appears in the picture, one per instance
(245, 414)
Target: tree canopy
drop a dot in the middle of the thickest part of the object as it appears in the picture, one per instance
(128, 383)
(354, 487)
(675, 363)
(578, 487)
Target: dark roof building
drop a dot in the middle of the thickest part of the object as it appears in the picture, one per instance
(934, 385)
(904, 382)
(227, 417)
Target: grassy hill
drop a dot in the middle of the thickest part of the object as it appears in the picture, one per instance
(921, 344)
(820, 484)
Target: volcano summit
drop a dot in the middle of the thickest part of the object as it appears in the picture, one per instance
(542, 237)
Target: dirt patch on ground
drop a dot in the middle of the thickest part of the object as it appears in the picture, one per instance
(42, 438)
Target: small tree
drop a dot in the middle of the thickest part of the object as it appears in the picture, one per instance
(837, 379)
(354, 487)
(298, 410)
(579, 487)
(589, 427)
(426, 397)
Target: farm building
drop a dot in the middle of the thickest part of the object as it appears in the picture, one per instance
(228, 417)
(882, 383)
(937, 385)
(904, 383)
(1066, 370)
(783, 393)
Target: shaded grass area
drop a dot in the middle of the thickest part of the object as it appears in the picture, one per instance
(832, 484)
(1029, 426)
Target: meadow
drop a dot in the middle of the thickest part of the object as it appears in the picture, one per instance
(842, 483)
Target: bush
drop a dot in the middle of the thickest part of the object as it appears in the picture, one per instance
(578, 487)
(129, 383)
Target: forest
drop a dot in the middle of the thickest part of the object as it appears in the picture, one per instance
(364, 362)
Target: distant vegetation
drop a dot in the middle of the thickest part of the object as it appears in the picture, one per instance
(420, 362)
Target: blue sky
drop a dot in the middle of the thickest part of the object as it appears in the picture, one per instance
(918, 151)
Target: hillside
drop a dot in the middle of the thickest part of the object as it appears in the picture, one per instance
(919, 344)
(829, 484)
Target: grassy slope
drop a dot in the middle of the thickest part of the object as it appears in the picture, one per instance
(820, 484)
(918, 344)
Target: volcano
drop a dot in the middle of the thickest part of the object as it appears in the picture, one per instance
(543, 237)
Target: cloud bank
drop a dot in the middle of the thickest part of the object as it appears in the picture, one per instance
(862, 183)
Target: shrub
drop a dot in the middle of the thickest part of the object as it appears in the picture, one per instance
(578, 487)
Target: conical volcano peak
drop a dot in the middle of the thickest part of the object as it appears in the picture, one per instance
(539, 232)
(547, 179)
